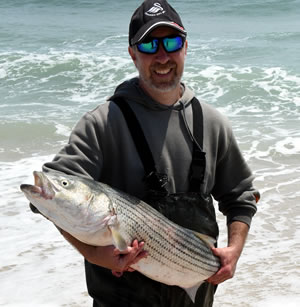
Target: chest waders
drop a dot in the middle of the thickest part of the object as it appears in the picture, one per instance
(189, 209)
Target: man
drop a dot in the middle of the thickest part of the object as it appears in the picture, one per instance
(153, 139)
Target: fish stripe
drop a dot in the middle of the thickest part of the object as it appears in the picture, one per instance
(180, 231)
(185, 256)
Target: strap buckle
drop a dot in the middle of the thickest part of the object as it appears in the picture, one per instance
(156, 181)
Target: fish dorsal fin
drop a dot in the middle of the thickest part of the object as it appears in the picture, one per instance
(210, 241)
(193, 291)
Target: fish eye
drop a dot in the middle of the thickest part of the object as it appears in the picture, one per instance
(64, 183)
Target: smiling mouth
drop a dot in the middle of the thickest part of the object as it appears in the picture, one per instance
(163, 69)
(163, 72)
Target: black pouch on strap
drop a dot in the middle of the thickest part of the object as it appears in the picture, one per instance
(190, 210)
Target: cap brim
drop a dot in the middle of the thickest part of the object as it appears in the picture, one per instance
(147, 28)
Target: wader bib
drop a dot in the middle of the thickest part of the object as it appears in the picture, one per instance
(190, 209)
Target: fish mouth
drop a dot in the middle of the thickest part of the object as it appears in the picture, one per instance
(42, 187)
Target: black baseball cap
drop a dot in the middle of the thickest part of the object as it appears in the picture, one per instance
(150, 15)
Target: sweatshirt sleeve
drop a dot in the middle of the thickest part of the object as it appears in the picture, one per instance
(233, 188)
(82, 155)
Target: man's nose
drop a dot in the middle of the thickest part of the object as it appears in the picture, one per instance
(162, 56)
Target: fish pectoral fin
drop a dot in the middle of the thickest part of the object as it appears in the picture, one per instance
(114, 227)
(210, 241)
(193, 291)
(118, 240)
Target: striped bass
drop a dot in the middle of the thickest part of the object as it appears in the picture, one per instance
(99, 215)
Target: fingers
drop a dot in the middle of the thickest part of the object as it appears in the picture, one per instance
(135, 253)
(223, 274)
(117, 274)
(228, 266)
(130, 270)
(216, 251)
(128, 257)
(135, 247)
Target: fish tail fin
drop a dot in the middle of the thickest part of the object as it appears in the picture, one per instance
(193, 291)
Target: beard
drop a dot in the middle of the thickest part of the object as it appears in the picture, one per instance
(165, 84)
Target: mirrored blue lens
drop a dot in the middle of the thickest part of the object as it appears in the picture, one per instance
(173, 44)
(148, 46)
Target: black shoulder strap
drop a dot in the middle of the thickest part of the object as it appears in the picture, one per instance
(197, 122)
(198, 165)
(137, 135)
(154, 180)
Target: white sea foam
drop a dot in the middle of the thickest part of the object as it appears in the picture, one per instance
(3, 73)
(111, 39)
(288, 146)
(62, 130)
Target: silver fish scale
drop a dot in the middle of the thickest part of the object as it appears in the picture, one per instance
(166, 242)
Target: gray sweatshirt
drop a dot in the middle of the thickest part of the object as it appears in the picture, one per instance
(101, 147)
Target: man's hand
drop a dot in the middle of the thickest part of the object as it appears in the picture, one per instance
(126, 258)
(229, 256)
(108, 256)
(115, 260)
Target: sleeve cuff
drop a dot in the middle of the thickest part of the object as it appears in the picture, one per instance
(240, 215)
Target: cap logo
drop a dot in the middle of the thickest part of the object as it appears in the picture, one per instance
(155, 10)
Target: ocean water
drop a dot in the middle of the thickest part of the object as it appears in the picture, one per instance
(59, 59)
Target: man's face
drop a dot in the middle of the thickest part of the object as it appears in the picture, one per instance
(161, 71)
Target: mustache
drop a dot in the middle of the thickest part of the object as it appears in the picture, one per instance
(168, 65)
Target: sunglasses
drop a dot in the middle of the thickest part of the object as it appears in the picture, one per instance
(170, 44)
